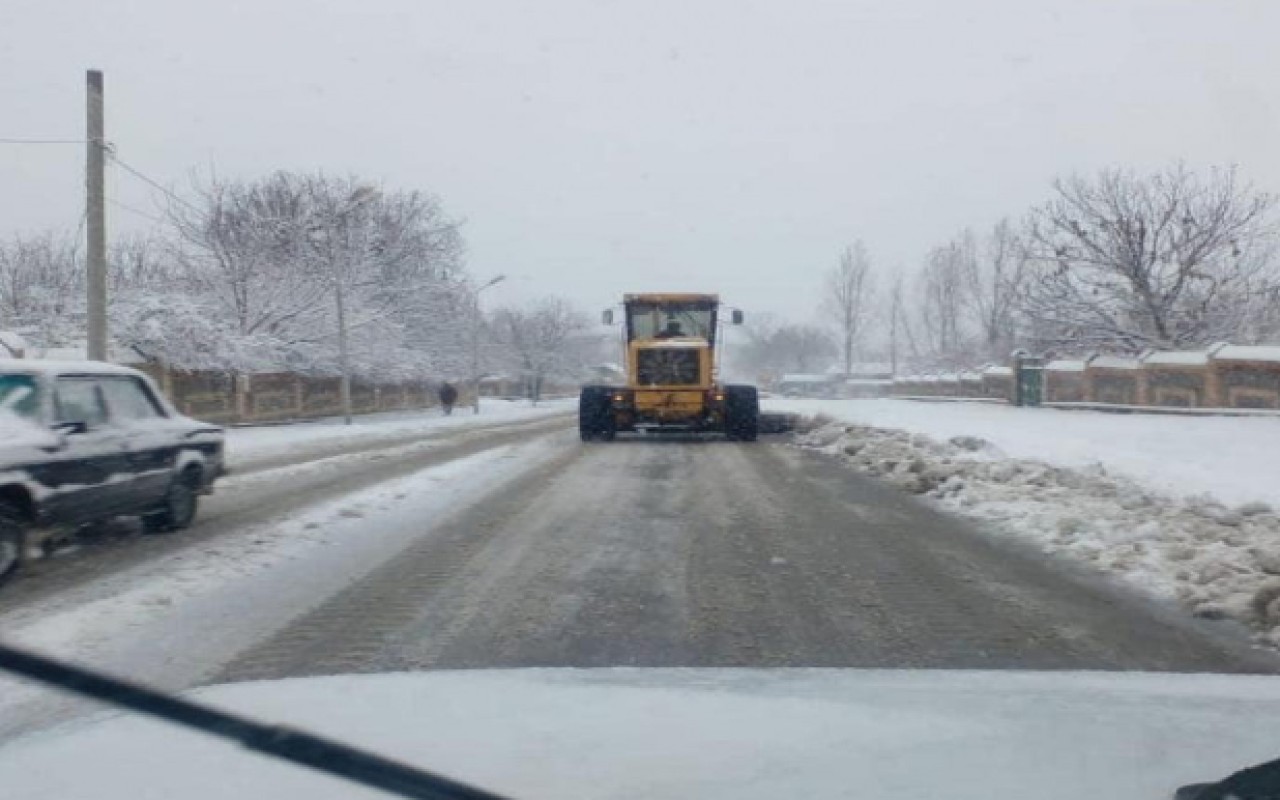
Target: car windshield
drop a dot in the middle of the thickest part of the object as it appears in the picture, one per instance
(18, 395)
(663, 398)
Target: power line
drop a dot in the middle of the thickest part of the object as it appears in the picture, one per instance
(149, 181)
(44, 141)
(133, 210)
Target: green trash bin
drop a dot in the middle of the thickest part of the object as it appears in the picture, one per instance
(1028, 379)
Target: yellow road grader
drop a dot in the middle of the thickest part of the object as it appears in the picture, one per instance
(672, 347)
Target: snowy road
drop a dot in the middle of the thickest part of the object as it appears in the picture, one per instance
(685, 553)
(270, 485)
(517, 545)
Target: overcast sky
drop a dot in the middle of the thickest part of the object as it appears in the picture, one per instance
(600, 147)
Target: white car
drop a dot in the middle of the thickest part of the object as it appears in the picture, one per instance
(82, 441)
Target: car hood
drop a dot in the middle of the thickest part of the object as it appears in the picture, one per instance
(663, 733)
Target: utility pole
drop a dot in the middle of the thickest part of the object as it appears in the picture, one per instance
(357, 200)
(96, 218)
(476, 320)
(344, 361)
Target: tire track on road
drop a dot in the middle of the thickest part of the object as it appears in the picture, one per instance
(706, 553)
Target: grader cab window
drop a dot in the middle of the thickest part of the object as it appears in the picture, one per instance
(670, 320)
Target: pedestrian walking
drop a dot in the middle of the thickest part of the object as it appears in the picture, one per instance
(448, 396)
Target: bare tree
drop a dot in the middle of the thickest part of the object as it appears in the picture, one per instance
(899, 325)
(285, 256)
(755, 356)
(42, 288)
(543, 340)
(943, 303)
(792, 348)
(847, 297)
(995, 280)
(1167, 260)
(244, 248)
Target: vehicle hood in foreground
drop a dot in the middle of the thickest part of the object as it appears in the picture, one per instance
(711, 733)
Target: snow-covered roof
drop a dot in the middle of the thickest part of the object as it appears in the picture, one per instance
(948, 376)
(868, 382)
(1114, 362)
(994, 371)
(801, 378)
(43, 366)
(1248, 352)
(1177, 358)
(1065, 365)
(970, 376)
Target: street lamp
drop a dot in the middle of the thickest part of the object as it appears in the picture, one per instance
(475, 342)
(357, 199)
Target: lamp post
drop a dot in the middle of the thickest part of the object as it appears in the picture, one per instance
(357, 200)
(475, 342)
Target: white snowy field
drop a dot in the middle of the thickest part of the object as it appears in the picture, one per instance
(175, 620)
(1186, 516)
(1233, 459)
(246, 446)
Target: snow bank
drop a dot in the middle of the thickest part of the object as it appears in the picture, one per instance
(249, 444)
(1232, 459)
(1218, 561)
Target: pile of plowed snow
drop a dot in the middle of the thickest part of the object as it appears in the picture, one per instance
(1221, 562)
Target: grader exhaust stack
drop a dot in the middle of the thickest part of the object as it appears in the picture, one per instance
(672, 374)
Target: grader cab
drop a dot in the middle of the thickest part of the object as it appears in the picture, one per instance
(671, 347)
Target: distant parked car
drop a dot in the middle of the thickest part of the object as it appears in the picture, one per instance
(83, 441)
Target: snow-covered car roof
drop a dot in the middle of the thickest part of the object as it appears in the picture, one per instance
(38, 366)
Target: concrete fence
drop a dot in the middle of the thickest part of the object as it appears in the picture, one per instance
(226, 397)
(1222, 376)
(991, 382)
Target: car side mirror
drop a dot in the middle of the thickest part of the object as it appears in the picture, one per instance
(607, 316)
(737, 316)
(68, 428)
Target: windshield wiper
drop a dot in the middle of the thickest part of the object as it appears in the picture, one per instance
(1256, 783)
(299, 747)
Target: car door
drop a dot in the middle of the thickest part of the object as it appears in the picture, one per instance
(151, 445)
(90, 477)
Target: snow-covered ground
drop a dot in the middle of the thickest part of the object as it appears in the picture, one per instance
(248, 446)
(1190, 521)
(175, 620)
(1234, 459)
